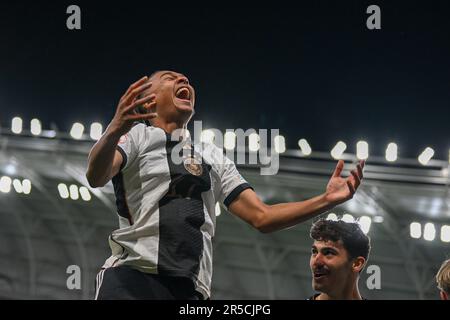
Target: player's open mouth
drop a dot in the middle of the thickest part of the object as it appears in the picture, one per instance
(320, 274)
(183, 93)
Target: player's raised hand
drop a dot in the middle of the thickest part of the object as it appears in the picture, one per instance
(342, 189)
(126, 113)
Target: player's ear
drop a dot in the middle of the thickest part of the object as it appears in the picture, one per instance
(358, 264)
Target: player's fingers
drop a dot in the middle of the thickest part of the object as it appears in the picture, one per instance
(337, 172)
(136, 84)
(351, 187)
(135, 92)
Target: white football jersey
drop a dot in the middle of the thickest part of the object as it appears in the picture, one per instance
(166, 204)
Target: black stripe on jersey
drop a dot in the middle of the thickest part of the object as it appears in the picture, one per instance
(124, 156)
(234, 194)
(181, 215)
(121, 198)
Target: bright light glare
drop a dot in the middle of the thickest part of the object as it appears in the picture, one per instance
(16, 125)
(96, 131)
(229, 140)
(445, 233)
(36, 127)
(73, 192)
(304, 147)
(17, 185)
(338, 150)
(348, 218)
(85, 194)
(415, 230)
(332, 217)
(426, 156)
(362, 150)
(77, 130)
(378, 219)
(429, 232)
(63, 191)
(365, 223)
(26, 186)
(280, 144)
(391, 152)
(5, 184)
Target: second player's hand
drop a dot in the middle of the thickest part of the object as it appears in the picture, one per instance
(125, 114)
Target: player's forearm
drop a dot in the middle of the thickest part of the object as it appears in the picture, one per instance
(285, 215)
(101, 158)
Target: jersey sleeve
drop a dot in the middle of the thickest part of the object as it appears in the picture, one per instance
(231, 181)
(128, 145)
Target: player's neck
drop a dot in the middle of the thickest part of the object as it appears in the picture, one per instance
(168, 127)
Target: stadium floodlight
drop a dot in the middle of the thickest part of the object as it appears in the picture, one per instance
(378, 219)
(5, 184)
(85, 194)
(445, 233)
(280, 144)
(63, 191)
(218, 209)
(362, 150)
(391, 152)
(73, 190)
(207, 136)
(444, 172)
(96, 131)
(10, 169)
(415, 230)
(229, 140)
(36, 127)
(338, 150)
(304, 147)
(348, 218)
(16, 125)
(332, 217)
(253, 142)
(426, 156)
(77, 130)
(429, 232)
(26, 186)
(365, 223)
(17, 186)
(49, 133)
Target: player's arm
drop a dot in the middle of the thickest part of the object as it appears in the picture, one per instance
(104, 160)
(269, 218)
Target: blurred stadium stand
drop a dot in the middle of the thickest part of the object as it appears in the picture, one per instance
(41, 234)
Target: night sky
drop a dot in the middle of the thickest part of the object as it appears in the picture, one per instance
(312, 70)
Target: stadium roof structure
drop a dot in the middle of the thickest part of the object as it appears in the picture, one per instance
(42, 233)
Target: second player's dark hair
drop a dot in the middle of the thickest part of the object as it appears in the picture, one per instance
(353, 238)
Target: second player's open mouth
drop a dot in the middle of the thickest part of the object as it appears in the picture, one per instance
(320, 275)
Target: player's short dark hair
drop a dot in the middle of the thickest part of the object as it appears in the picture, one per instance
(353, 238)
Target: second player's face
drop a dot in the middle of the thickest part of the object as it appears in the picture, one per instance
(330, 266)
